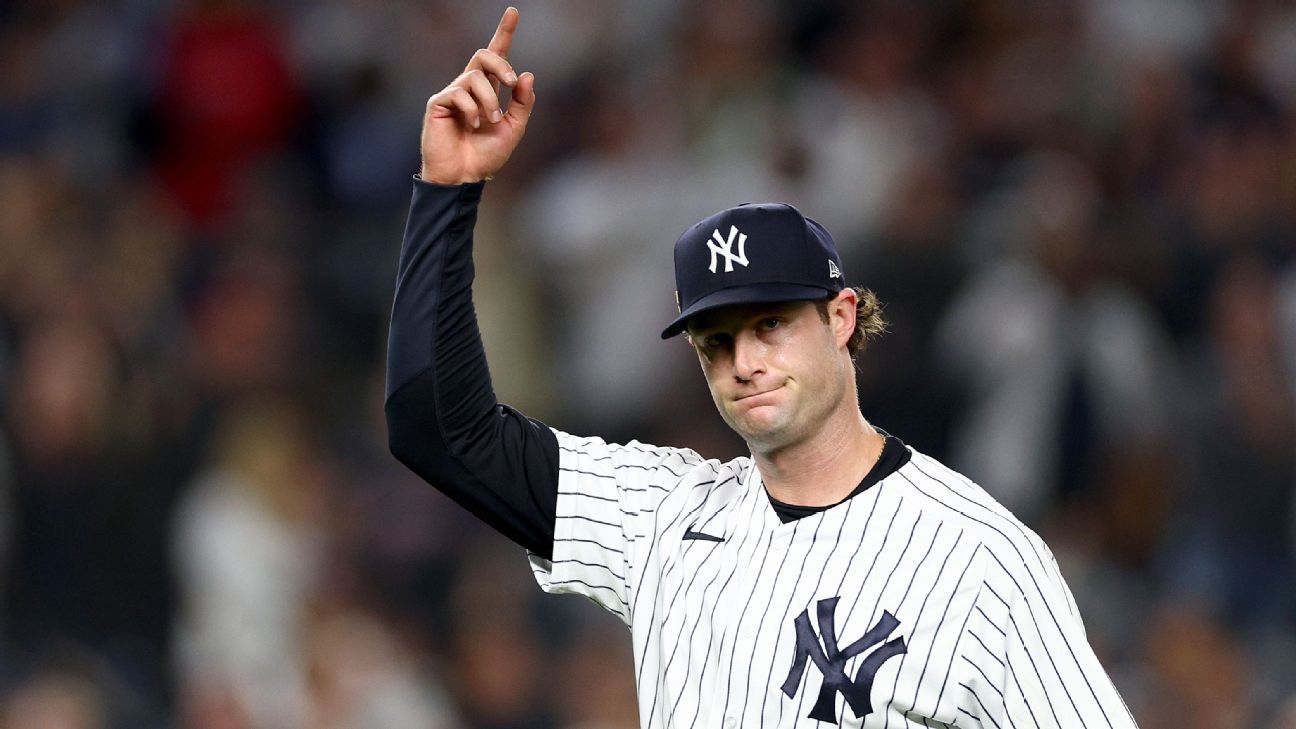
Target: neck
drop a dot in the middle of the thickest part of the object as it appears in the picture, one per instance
(824, 469)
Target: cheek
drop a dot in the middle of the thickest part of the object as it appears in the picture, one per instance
(797, 350)
(713, 377)
(709, 368)
(785, 359)
(790, 353)
(815, 364)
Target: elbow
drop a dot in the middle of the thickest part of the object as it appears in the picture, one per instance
(415, 437)
(399, 441)
(410, 437)
(402, 432)
(418, 438)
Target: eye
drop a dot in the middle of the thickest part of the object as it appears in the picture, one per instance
(715, 341)
(771, 323)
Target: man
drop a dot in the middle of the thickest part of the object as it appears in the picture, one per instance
(834, 577)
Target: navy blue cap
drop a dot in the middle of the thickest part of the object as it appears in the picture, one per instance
(754, 253)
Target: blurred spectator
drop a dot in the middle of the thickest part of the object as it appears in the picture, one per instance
(62, 400)
(401, 540)
(595, 690)
(86, 61)
(249, 554)
(1238, 508)
(915, 271)
(1062, 364)
(56, 701)
(361, 678)
(499, 680)
(24, 112)
(246, 325)
(225, 97)
(608, 264)
(1196, 666)
(862, 121)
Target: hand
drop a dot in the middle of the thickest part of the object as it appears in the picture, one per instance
(466, 138)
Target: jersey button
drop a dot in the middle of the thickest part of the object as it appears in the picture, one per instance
(730, 723)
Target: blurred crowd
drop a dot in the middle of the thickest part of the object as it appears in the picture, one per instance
(1080, 215)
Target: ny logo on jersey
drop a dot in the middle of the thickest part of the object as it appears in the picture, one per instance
(724, 247)
(831, 661)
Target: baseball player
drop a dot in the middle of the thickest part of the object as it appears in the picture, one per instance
(834, 577)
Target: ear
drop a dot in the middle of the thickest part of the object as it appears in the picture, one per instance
(841, 315)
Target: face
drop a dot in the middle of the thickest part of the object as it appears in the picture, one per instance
(776, 371)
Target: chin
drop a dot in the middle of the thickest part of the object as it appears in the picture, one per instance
(765, 428)
(763, 436)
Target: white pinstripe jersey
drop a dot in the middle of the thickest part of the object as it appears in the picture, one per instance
(919, 602)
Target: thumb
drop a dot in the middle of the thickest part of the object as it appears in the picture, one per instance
(523, 100)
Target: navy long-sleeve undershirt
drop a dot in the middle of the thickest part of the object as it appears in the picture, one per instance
(443, 420)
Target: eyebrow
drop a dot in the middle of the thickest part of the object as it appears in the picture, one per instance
(707, 319)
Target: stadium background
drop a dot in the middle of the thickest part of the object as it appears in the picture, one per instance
(1080, 214)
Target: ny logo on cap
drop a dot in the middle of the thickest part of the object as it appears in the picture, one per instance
(724, 247)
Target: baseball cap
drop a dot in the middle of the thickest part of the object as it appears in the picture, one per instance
(753, 253)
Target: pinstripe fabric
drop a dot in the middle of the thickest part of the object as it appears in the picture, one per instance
(991, 634)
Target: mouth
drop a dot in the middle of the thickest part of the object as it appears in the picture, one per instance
(758, 394)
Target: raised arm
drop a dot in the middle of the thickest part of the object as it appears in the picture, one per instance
(442, 415)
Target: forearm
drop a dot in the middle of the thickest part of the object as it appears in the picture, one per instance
(443, 418)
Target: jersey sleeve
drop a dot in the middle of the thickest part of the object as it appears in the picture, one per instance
(610, 499)
(1026, 660)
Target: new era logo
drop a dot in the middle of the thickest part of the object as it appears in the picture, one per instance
(833, 270)
(724, 247)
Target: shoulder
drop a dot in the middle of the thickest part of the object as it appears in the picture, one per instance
(1009, 547)
(578, 448)
(668, 468)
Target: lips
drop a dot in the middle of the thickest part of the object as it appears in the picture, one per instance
(758, 394)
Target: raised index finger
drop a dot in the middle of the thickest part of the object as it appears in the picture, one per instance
(503, 38)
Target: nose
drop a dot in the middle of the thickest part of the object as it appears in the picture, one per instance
(748, 356)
